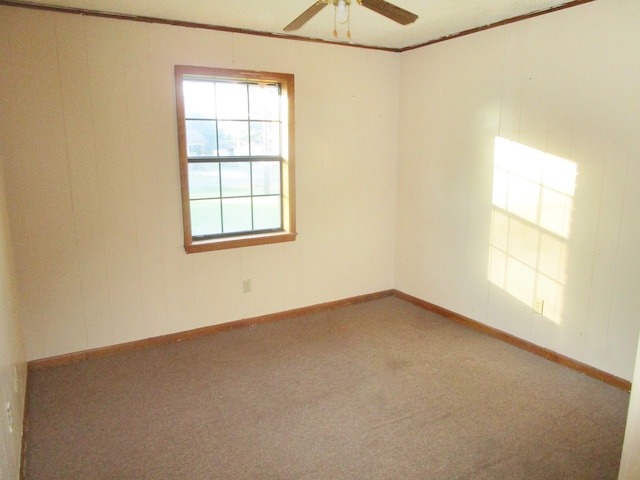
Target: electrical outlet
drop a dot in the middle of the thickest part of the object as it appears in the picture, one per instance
(9, 416)
(538, 305)
(246, 286)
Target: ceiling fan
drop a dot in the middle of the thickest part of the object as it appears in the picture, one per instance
(382, 7)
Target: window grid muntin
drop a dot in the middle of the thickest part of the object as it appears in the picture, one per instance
(247, 121)
(220, 159)
(221, 197)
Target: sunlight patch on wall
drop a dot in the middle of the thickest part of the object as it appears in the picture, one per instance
(531, 221)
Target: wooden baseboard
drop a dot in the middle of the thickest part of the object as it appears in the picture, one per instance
(224, 327)
(75, 357)
(518, 342)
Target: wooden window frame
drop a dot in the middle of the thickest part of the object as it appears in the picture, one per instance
(288, 232)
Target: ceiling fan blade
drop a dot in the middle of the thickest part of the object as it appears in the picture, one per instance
(306, 15)
(397, 14)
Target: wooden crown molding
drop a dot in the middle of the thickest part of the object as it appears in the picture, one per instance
(500, 23)
(164, 21)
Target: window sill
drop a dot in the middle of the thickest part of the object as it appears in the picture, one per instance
(243, 241)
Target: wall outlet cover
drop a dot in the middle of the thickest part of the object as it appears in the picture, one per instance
(538, 305)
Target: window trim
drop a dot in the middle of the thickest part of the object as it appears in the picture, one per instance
(288, 234)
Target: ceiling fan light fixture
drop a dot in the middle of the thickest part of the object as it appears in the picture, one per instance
(342, 11)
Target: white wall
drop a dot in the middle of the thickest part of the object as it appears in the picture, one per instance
(94, 190)
(565, 84)
(91, 178)
(13, 371)
(93, 184)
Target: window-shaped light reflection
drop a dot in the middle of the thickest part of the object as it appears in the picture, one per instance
(532, 206)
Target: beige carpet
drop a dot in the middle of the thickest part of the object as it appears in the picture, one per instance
(380, 390)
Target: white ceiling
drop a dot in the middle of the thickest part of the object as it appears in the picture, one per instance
(436, 18)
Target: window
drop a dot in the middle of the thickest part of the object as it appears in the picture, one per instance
(235, 134)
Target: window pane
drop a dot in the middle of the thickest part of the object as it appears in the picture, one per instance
(233, 102)
(266, 178)
(199, 99)
(264, 101)
(232, 135)
(267, 213)
(265, 138)
(234, 139)
(236, 179)
(237, 214)
(201, 138)
(204, 180)
(205, 217)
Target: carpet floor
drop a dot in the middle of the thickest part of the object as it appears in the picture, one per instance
(378, 390)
